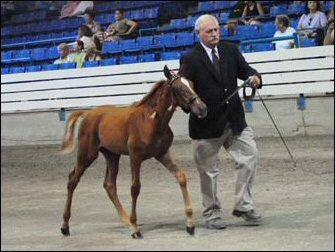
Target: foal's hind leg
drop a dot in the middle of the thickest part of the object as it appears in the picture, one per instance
(86, 155)
(110, 182)
(166, 160)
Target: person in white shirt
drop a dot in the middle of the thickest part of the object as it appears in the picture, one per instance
(64, 52)
(283, 29)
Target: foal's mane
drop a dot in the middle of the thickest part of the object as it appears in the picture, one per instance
(151, 93)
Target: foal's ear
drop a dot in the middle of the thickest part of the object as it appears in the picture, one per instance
(167, 73)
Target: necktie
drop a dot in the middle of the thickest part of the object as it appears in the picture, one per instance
(216, 61)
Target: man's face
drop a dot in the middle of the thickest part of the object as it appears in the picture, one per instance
(209, 33)
(118, 15)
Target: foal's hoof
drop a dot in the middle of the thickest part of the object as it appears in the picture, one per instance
(65, 231)
(137, 235)
(190, 230)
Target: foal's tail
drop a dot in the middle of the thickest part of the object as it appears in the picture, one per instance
(68, 143)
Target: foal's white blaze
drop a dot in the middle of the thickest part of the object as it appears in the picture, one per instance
(187, 84)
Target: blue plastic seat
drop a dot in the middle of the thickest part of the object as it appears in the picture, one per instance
(14, 70)
(151, 13)
(219, 5)
(5, 70)
(168, 40)
(185, 38)
(52, 53)
(91, 63)
(296, 9)
(67, 65)
(38, 54)
(111, 47)
(6, 55)
(170, 55)
(128, 59)
(178, 23)
(128, 45)
(248, 31)
(206, 6)
(268, 29)
(263, 47)
(147, 57)
(145, 42)
(308, 42)
(278, 10)
(108, 62)
(50, 67)
(25, 53)
(35, 68)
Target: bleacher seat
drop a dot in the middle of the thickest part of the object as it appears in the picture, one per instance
(145, 43)
(108, 62)
(52, 53)
(128, 59)
(168, 40)
(219, 5)
(278, 10)
(67, 65)
(5, 70)
(128, 45)
(170, 55)
(147, 57)
(6, 55)
(49, 67)
(206, 6)
(111, 47)
(308, 42)
(247, 31)
(38, 54)
(262, 47)
(35, 68)
(267, 29)
(185, 38)
(91, 63)
(296, 9)
(14, 70)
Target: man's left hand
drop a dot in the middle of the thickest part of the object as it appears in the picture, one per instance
(255, 82)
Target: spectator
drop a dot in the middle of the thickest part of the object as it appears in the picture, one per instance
(283, 29)
(92, 55)
(123, 28)
(64, 52)
(93, 25)
(329, 38)
(313, 23)
(86, 36)
(75, 8)
(79, 54)
(252, 9)
(232, 26)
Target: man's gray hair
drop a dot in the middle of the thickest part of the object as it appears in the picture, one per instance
(203, 18)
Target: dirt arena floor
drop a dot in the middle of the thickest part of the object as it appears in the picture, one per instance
(297, 205)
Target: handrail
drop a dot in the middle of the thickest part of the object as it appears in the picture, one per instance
(295, 37)
(54, 40)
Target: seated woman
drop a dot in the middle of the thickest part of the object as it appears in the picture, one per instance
(252, 8)
(312, 23)
(283, 29)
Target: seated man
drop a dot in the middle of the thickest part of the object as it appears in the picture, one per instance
(123, 28)
(64, 52)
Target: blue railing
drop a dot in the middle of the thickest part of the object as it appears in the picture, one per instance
(295, 37)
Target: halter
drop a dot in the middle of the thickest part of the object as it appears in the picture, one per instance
(170, 83)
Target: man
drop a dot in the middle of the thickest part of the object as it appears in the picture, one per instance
(123, 28)
(284, 29)
(64, 52)
(214, 67)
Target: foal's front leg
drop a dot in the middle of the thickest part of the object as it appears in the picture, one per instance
(166, 160)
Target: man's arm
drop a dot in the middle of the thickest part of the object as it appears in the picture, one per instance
(133, 25)
(245, 71)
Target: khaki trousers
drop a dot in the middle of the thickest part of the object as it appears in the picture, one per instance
(244, 151)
